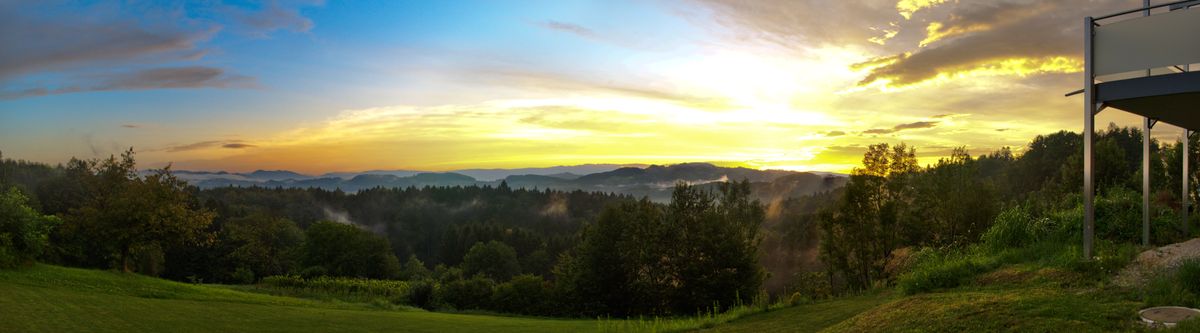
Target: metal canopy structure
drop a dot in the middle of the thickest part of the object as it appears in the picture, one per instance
(1140, 64)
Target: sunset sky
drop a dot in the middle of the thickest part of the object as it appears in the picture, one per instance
(440, 85)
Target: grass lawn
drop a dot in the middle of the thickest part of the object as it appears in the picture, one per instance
(48, 298)
(1014, 298)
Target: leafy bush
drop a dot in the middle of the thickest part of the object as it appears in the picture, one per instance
(1117, 211)
(808, 286)
(466, 294)
(1015, 227)
(243, 275)
(420, 293)
(24, 233)
(524, 294)
(313, 272)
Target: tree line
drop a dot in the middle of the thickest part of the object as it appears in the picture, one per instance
(463, 245)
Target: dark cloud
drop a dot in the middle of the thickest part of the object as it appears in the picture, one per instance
(973, 34)
(193, 146)
(173, 77)
(835, 133)
(156, 78)
(919, 124)
(982, 34)
(901, 127)
(131, 126)
(74, 41)
(37, 44)
(231, 144)
(237, 145)
(227, 144)
(568, 28)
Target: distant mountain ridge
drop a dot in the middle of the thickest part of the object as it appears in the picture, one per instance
(653, 181)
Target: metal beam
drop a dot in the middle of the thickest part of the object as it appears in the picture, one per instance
(1146, 125)
(1146, 181)
(1184, 199)
(1089, 123)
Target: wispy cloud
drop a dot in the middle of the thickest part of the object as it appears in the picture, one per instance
(901, 127)
(156, 78)
(226, 144)
(237, 145)
(570, 28)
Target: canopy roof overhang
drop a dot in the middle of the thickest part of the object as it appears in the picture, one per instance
(1170, 98)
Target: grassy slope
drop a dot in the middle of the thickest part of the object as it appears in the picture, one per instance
(804, 318)
(1015, 298)
(56, 299)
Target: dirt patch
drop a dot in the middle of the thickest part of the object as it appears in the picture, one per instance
(1151, 261)
(1004, 276)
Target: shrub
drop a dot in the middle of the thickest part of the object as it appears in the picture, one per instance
(524, 294)
(24, 233)
(243, 276)
(286, 281)
(1117, 211)
(1016, 227)
(466, 294)
(420, 294)
(313, 272)
(808, 286)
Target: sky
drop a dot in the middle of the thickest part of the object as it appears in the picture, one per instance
(317, 87)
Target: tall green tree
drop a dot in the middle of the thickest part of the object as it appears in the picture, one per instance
(345, 250)
(123, 212)
(864, 227)
(493, 259)
(262, 244)
(641, 258)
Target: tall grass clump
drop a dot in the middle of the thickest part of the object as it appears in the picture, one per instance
(704, 320)
(338, 288)
(937, 269)
(1016, 227)
(1179, 286)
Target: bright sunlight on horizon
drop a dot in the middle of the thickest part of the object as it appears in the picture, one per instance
(318, 87)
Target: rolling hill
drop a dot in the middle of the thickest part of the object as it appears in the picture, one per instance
(655, 181)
